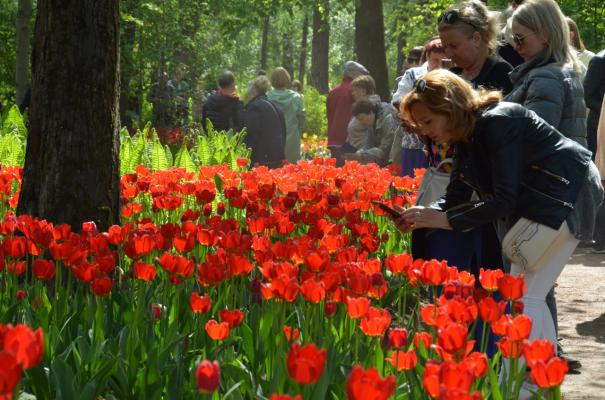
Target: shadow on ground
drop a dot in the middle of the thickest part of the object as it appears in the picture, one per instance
(588, 259)
(594, 328)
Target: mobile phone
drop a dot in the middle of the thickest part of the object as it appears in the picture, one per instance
(390, 211)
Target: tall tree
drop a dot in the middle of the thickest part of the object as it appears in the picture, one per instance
(71, 171)
(302, 61)
(369, 43)
(321, 45)
(264, 42)
(24, 15)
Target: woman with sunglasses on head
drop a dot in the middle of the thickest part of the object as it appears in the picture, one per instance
(520, 167)
(468, 32)
(548, 82)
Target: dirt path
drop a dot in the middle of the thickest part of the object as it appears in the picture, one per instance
(581, 304)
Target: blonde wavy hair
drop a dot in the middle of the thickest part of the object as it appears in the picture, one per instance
(545, 18)
(445, 93)
(474, 16)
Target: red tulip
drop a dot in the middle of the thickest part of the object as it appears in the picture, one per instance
(538, 350)
(510, 348)
(453, 339)
(434, 273)
(144, 272)
(208, 376)
(489, 310)
(551, 374)
(284, 397)
(306, 364)
(217, 331)
(21, 294)
(375, 322)
(512, 287)
(10, 373)
(330, 308)
(291, 334)
(489, 279)
(477, 363)
(365, 385)
(26, 345)
(101, 286)
(232, 317)
(398, 337)
(423, 337)
(43, 269)
(313, 291)
(403, 361)
(357, 307)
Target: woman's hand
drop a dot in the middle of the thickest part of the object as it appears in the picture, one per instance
(420, 217)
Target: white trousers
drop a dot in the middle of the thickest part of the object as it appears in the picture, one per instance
(538, 285)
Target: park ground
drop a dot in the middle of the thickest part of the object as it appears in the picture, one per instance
(581, 302)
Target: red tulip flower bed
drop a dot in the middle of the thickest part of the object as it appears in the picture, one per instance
(267, 284)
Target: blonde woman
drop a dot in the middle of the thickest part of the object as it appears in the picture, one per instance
(291, 104)
(508, 156)
(468, 34)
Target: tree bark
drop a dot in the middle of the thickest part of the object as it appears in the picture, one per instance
(401, 42)
(369, 43)
(287, 59)
(71, 173)
(302, 61)
(264, 43)
(24, 15)
(319, 53)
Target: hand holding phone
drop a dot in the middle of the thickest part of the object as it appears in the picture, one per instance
(391, 212)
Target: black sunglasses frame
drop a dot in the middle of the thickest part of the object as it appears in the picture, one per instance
(452, 16)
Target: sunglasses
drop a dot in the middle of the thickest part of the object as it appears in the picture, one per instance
(453, 16)
(518, 39)
(421, 86)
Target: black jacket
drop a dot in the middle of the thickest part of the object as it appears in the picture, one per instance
(266, 132)
(493, 75)
(594, 90)
(519, 165)
(225, 112)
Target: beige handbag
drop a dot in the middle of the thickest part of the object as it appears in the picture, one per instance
(433, 185)
(530, 245)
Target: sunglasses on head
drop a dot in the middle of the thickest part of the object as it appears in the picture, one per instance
(453, 16)
(421, 86)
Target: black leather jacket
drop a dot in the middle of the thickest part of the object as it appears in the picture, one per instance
(519, 165)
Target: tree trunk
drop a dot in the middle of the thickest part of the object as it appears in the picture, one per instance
(264, 43)
(71, 173)
(369, 43)
(287, 59)
(319, 53)
(24, 15)
(302, 62)
(401, 42)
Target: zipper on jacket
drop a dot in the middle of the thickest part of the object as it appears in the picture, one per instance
(476, 205)
(566, 204)
(552, 175)
(468, 184)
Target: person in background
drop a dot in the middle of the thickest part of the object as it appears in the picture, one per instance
(291, 105)
(548, 84)
(594, 93)
(181, 94)
(583, 54)
(468, 34)
(297, 86)
(498, 146)
(506, 49)
(380, 123)
(362, 87)
(265, 125)
(408, 149)
(223, 107)
(161, 97)
(339, 103)
(594, 90)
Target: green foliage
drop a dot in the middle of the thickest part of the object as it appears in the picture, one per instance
(8, 49)
(12, 138)
(316, 118)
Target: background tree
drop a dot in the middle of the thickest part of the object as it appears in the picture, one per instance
(71, 171)
(369, 43)
(24, 15)
(321, 46)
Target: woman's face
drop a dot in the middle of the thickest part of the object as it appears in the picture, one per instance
(358, 93)
(435, 60)
(464, 51)
(527, 42)
(432, 125)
